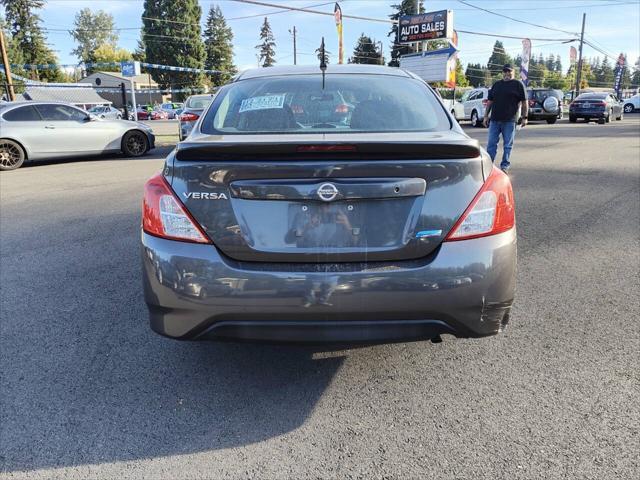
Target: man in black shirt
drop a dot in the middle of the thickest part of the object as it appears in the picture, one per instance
(505, 97)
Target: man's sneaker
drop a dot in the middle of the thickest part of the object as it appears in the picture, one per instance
(505, 170)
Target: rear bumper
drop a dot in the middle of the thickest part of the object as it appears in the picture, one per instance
(541, 114)
(588, 114)
(465, 289)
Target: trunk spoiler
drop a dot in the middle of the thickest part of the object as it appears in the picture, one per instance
(216, 151)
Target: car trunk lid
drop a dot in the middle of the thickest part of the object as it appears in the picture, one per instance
(319, 198)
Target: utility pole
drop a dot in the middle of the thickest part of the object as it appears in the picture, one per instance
(7, 68)
(149, 85)
(381, 55)
(579, 72)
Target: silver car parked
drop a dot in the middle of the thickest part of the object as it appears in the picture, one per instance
(32, 131)
(106, 112)
(193, 109)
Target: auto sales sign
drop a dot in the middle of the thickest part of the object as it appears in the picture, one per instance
(426, 26)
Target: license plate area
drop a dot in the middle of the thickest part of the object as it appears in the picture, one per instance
(318, 227)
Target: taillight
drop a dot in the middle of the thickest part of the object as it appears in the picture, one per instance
(297, 109)
(492, 211)
(163, 215)
(532, 103)
(342, 108)
(600, 104)
(189, 117)
(484, 102)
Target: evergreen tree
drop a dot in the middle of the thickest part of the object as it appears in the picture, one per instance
(267, 47)
(537, 74)
(586, 77)
(478, 75)
(171, 43)
(555, 80)
(635, 76)
(91, 31)
(13, 50)
(139, 53)
(366, 51)
(406, 7)
(557, 67)
(550, 63)
(28, 38)
(218, 39)
(497, 59)
(461, 78)
(604, 75)
(327, 54)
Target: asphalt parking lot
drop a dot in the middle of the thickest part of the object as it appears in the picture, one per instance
(88, 391)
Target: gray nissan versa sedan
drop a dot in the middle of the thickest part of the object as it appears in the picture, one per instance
(290, 216)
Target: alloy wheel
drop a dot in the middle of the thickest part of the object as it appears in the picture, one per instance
(136, 144)
(11, 155)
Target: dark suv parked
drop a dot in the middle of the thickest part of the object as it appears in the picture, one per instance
(545, 104)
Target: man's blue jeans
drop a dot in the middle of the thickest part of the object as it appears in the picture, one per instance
(508, 131)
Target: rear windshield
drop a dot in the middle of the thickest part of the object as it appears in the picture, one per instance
(592, 96)
(347, 103)
(198, 102)
(542, 94)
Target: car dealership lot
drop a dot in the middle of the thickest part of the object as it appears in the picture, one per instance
(89, 391)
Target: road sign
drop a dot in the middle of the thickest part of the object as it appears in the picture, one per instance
(426, 26)
(431, 66)
(130, 69)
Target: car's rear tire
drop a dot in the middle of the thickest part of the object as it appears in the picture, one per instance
(573, 119)
(135, 143)
(621, 116)
(12, 155)
(119, 117)
(628, 108)
(551, 121)
(475, 121)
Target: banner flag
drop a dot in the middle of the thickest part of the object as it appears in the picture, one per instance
(526, 55)
(573, 55)
(337, 14)
(620, 66)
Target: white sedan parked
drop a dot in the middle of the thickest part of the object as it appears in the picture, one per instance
(43, 130)
(631, 103)
(106, 112)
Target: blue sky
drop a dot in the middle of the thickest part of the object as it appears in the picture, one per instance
(613, 24)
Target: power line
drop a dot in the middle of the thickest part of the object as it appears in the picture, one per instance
(589, 5)
(515, 19)
(307, 10)
(484, 34)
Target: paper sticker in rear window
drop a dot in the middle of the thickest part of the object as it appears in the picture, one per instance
(262, 103)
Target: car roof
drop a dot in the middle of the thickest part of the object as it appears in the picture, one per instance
(21, 103)
(314, 69)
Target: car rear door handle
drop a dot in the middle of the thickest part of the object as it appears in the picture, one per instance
(49, 126)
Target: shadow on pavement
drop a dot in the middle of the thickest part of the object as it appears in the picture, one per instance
(85, 381)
